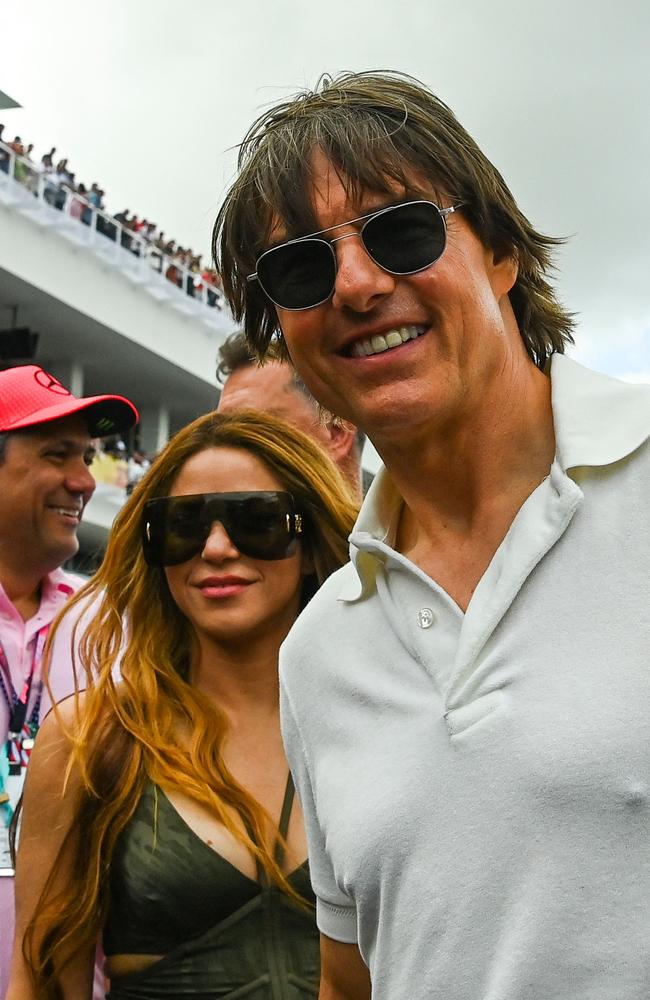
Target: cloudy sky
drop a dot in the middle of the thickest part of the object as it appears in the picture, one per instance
(150, 97)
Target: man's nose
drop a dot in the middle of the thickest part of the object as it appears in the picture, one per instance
(360, 283)
(80, 480)
(219, 545)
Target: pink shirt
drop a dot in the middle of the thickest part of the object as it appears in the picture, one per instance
(18, 638)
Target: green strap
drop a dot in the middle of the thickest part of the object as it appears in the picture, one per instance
(285, 815)
(283, 827)
(287, 806)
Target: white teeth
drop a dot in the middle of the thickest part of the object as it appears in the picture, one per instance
(384, 342)
(68, 512)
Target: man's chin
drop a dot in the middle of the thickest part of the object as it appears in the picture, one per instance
(60, 552)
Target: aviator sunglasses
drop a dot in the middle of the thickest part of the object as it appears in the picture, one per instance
(263, 525)
(401, 239)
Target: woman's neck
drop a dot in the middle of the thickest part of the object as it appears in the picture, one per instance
(241, 678)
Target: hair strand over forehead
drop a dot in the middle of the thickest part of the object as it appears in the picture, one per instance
(380, 131)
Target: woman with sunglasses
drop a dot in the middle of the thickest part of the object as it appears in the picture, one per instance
(162, 803)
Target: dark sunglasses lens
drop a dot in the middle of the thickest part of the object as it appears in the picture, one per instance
(297, 275)
(174, 530)
(259, 528)
(260, 525)
(407, 238)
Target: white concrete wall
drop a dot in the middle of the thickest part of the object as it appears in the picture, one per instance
(46, 249)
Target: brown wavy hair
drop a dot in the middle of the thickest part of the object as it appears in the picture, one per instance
(129, 733)
(379, 129)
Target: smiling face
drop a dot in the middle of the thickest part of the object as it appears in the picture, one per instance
(45, 484)
(451, 324)
(225, 595)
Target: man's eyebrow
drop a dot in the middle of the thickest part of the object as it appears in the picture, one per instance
(387, 203)
(70, 444)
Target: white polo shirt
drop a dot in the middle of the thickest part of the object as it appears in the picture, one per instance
(476, 787)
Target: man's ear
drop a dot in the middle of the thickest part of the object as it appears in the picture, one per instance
(505, 269)
(342, 436)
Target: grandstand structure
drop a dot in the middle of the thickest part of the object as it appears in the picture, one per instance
(100, 312)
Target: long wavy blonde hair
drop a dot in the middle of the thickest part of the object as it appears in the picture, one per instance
(131, 731)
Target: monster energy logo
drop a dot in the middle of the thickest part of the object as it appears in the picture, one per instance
(105, 424)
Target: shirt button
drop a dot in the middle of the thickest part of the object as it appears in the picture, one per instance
(425, 617)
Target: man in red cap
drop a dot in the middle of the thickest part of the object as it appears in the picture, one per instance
(45, 449)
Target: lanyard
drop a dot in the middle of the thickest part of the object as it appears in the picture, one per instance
(18, 703)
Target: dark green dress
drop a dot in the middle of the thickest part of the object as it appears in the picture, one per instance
(223, 935)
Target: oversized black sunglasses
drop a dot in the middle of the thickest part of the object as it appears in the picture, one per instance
(263, 525)
(401, 239)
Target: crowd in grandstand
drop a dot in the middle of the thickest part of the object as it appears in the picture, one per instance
(140, 236)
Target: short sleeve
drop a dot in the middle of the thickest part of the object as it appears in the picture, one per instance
(335, 912)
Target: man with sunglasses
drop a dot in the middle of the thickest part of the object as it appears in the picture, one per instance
(465, 705)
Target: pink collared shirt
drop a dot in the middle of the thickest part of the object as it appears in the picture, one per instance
(17, 638)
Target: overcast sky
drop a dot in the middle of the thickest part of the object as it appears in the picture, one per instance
(149, 97)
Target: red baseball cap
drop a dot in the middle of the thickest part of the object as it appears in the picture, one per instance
(30, 396)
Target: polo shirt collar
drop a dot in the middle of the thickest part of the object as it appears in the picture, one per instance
(56, 588)
(598, 420)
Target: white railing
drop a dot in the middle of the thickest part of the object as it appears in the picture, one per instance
(101, 231)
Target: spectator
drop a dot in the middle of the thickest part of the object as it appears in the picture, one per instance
(157, 254)
(95, 195)
(138, 235)
(173, 274)
(4, 155)
(276, 388)
(211, 593)
(59, 184)
(21, 169)
(123, 219)
(213, 282)
(78, 205)
(137, 466)
(45, 447)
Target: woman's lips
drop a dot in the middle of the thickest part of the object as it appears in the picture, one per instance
(222, 587)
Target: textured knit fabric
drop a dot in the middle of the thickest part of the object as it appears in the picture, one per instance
(476, 787)
(220, 932)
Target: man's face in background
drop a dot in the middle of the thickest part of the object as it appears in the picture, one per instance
(271, 388)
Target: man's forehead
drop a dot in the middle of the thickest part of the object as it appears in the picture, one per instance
(72, 427)
(330, 198)
(271, 375)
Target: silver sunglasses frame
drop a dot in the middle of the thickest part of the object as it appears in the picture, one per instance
(442, 212)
